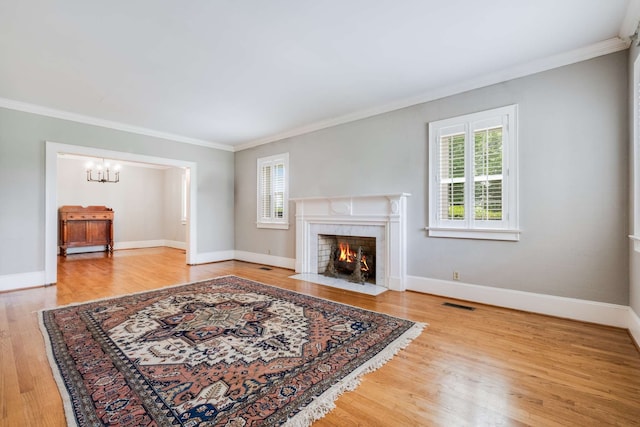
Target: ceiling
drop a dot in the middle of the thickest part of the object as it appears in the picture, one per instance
(233, 74)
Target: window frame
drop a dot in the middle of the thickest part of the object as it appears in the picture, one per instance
(507, 228)
(273, 221)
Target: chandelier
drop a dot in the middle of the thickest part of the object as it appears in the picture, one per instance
(102, 172)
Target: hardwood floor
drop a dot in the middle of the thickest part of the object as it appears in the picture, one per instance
(486, 367)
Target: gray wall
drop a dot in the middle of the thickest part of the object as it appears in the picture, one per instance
(173, 228)
(573, 183)
(22, 182)
(146, 201)
(634, 257)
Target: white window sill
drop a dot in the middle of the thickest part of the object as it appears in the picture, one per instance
(273, 225)
(483, 234)
(636, 242)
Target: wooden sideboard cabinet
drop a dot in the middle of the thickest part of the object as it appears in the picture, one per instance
(85, 226)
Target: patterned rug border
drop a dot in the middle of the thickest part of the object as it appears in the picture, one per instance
(318, 408)
(55, 370)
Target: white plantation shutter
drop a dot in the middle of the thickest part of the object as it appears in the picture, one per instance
(451, 199)
(487, 163)
(265, 192)
(473, 188)
(273, 191)
(278, 191)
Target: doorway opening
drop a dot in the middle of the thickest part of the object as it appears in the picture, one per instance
(54, 150)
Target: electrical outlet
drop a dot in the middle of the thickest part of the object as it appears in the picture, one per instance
(456, 275)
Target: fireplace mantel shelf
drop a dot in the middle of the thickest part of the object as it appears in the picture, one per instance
(381, 216)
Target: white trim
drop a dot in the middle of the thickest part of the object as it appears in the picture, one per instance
(95, 121)
(630, 20)
(253, 257)
(118, 246)
(567, 58)
(149, 244)
(605, 47)
(506, 118)
(53, 149)
(273, 225)
(272, 222)
(634, 326)
(569, 308)
(207, 257)
(11, 282)
(140, 244)
(475, 233)
(273, 260)
(175, 244)
(381, 216)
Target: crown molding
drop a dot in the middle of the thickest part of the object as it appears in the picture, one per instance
(79, 118)
(605, 47)
(582, 54)
(629, 25)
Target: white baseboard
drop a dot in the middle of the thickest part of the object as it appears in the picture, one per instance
(139, 244)
(272, 260)
(135, 244)
(175, 244)
(9, 282)
(634, 326)
(570, 308)
(206, 257)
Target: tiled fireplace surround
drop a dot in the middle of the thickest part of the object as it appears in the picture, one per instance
(382, 217)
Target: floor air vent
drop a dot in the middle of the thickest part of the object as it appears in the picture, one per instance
(462, 307)
(265, 268)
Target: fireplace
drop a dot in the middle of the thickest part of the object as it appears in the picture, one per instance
(347, 257)
(380, 218)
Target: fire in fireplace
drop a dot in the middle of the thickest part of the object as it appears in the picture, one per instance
(347, 257)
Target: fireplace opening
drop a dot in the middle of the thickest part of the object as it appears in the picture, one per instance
(347, 257)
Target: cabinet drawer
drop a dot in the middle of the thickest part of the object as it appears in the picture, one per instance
(86, 216)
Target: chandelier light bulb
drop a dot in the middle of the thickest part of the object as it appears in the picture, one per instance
(102, 172)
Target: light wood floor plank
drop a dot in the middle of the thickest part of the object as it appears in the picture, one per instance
(491, 366)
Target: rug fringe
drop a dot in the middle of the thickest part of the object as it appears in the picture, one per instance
(325, 403)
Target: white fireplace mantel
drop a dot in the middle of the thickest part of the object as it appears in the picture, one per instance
(380, 216)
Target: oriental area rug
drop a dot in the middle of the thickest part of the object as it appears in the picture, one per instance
(221, 352)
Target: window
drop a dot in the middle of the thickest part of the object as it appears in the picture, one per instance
(473, 177)
(273, 192)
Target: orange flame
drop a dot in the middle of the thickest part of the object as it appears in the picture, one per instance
(347, 255)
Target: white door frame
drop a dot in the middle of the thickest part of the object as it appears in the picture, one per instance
(53, 149)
